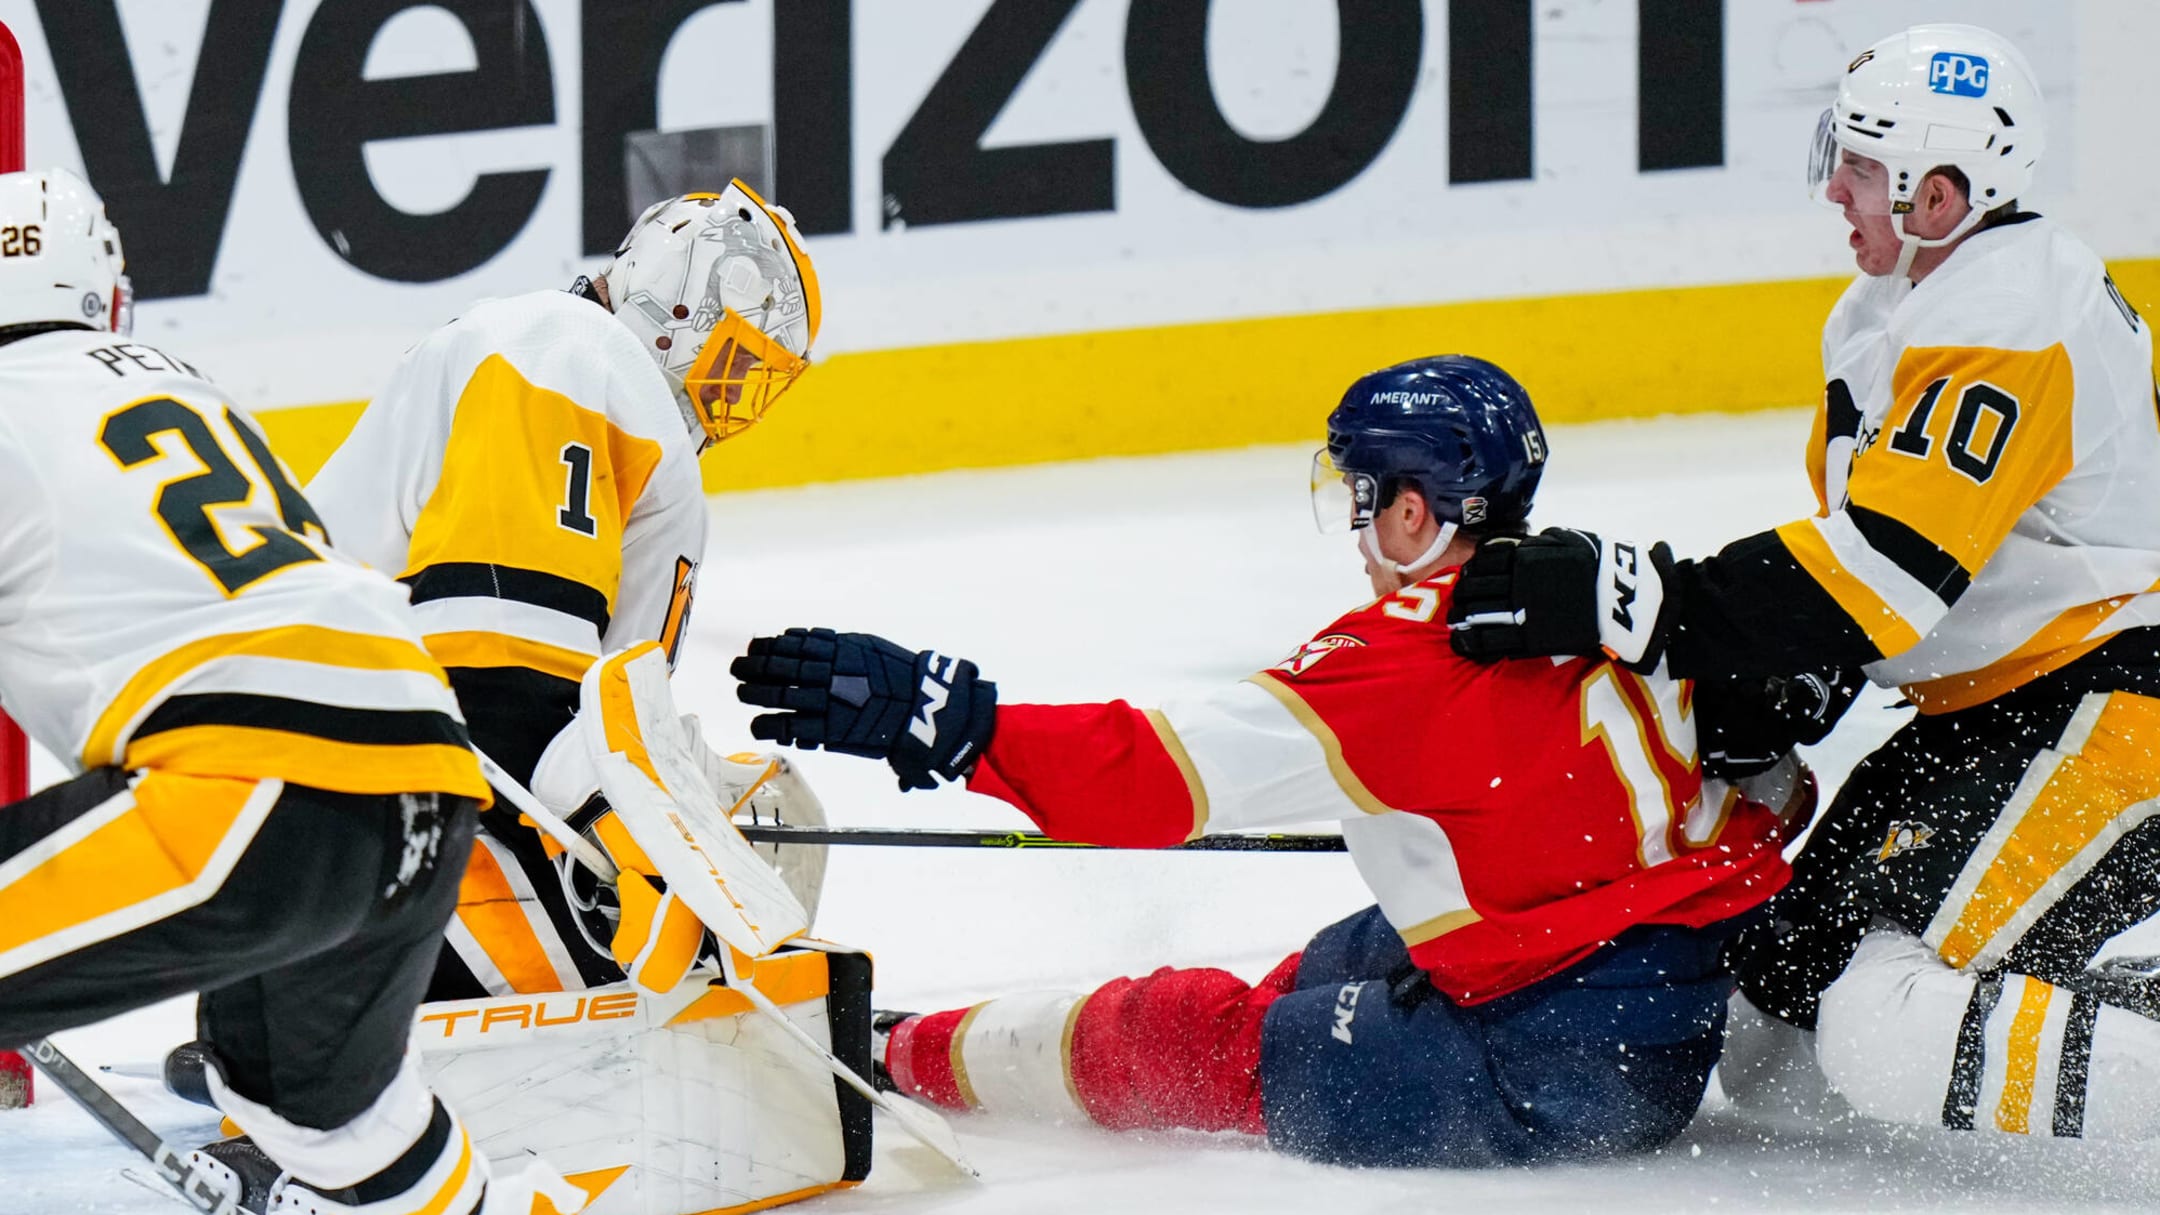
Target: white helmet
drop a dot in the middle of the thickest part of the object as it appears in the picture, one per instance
(60, 260)
(721, 293)
(1937, 96)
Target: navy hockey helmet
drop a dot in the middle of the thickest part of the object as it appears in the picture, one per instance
(1457, 429)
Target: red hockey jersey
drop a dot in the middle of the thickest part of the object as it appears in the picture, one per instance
(1508, 818)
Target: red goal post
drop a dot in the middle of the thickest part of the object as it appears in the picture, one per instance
(15, 1082)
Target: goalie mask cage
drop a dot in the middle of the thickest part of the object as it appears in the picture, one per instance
(14, 749)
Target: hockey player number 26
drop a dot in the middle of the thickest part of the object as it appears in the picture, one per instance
(1629, 735)
(184, 503)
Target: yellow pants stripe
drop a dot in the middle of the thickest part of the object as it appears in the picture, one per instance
(2021, 1058)
(2060, 821)
(159, 848)
(491, 910)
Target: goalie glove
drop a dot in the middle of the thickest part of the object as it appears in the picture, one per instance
(1563, 591)
(924, 713)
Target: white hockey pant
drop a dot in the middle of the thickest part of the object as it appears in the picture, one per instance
(1905, 1037)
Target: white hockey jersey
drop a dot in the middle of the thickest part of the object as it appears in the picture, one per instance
(528, 473)
(167, 598)
(1988, 462)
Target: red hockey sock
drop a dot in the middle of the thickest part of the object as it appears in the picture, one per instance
(1177, 1048)
(919, 1056)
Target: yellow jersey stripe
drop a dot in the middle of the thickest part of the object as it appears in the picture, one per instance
(1978, 435)
(1888, 631)
(476, 649)
(532, 479)
(300, 643)
(257, 753)
(2063, 641)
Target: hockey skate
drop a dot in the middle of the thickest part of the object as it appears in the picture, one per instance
(882, 1024)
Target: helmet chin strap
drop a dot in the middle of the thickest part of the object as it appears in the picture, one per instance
(1371, 544)
(1912, 245)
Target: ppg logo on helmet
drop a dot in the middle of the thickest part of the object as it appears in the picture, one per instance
(1958, 74)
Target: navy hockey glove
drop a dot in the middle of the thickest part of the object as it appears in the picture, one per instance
(1746, 724)
(924, 713)
(1562, 592)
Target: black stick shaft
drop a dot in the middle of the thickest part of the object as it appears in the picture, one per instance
(934, 838)
(199, 1189)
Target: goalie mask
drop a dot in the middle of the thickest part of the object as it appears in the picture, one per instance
(720, 292)
(60, 258)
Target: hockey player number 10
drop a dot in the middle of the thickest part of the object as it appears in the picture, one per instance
(184, 503)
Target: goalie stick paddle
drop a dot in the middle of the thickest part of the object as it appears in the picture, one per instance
(935, 838)
(198, 1188)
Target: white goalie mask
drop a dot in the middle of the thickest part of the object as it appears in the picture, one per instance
(719, 291)
(1933, 97)
(60, 258)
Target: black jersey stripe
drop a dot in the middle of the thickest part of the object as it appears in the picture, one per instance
(513, 713)
(478, 580)
(1841, 414)
(2076, 1067)
(1912, 552)
(366, 727)
(1753, 609)
(1962, 1100)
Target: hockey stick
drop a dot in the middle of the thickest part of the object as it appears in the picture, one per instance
(924, 1125)
(930, 838)
(196, 1187)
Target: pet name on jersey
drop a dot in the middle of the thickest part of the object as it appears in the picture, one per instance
(122, 358)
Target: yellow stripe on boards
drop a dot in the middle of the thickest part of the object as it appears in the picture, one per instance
(1213, 384)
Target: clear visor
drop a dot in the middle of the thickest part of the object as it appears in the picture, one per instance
(1341, 501)
(738, 375)
(1866, 180)
(1822, 157)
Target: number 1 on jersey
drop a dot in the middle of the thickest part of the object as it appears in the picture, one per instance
(576, 512)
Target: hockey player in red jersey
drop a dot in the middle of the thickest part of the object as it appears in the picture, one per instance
(1540, 979)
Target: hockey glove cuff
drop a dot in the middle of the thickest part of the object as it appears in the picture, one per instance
(1563, 592)
(926, 714)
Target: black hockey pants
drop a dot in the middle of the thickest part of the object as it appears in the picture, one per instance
(2017, 835)
(308, 920)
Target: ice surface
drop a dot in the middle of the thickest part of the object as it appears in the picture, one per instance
(1138, 579)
